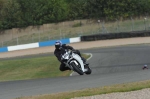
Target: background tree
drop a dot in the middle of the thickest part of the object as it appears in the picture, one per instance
(9, 14)
(23, 13)
(77, 9)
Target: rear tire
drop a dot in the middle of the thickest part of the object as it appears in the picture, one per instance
(89, 71)
(77, 69)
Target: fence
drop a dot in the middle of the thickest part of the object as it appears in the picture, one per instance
(70, 29)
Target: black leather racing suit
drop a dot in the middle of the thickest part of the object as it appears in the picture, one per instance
(60, 51)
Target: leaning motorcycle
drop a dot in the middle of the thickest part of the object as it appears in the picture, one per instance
(75, 63)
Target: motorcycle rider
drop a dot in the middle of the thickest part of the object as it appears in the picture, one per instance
(59, 49)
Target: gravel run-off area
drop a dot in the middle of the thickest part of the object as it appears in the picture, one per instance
(140, 94)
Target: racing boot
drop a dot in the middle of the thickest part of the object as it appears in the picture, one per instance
(84, 62)
(86, 65)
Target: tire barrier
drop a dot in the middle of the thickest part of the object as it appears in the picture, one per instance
(115, 35)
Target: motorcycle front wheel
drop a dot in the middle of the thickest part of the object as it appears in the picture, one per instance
(77, 69)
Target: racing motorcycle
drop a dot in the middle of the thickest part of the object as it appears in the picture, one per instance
(75, 63)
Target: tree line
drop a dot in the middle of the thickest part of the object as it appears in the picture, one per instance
(23, 13)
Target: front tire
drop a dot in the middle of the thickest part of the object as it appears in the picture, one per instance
(77, 69)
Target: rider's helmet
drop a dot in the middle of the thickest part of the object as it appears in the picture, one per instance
(58, 44)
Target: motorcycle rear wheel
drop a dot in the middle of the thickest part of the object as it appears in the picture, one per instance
(89, 71)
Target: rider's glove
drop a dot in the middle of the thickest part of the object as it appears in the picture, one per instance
(63, 60)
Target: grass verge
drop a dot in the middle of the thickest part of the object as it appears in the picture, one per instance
(31, 68)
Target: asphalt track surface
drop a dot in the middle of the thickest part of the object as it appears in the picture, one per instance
(110, 65)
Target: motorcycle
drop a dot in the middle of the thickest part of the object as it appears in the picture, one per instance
(75, 63)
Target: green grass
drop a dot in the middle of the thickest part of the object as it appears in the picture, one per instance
(32, 68)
